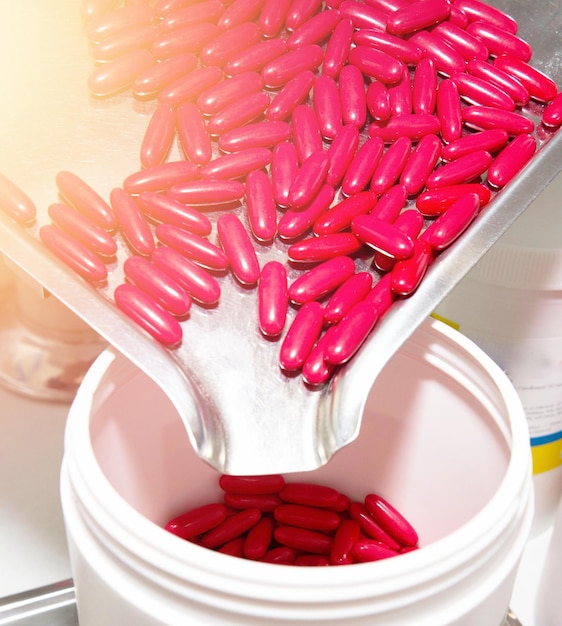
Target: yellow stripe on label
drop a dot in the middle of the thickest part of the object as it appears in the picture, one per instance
(449, 322)
(547, 456)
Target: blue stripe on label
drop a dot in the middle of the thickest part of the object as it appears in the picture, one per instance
(539, 441)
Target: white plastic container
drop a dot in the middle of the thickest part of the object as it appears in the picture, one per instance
(510, 304)
(444, 438)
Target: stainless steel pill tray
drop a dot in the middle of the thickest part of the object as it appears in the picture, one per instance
(242, 414)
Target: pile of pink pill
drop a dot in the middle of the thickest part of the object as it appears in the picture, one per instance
(365, 137)
(265, 518)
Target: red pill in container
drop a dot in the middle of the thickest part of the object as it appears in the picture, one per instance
(247, 109)
(449, 110)
(316, 370)
(376, 64)
(499, 41)
(116, 20)
(254, 58)
(304, 516)
(236, 164)
(191, 38)
(208, 192)
(362, 167)
(262, 210)
(238, 247)
(114, 46)
(310, 494)
(158, 137)
(339, 216)
(349, 293)
(381, 295)
(301, 336)
(158, 207)
(15, 202)
(391, 164)
(378, 101)
(258, 539)
(160, 177)
(390, 203)
(383, 236)
(410, 222)
(315, 30)
(321, 279)
(309, 179)
(503, 80)
(189, 13)
(132, 222)
(448, 227)
(479, 91)
(189, 87)
(109, 79)
(284, 167)
(477, 10)
(363, 15)
(252, 484)
(85, 199)
(407, 274)
(220, 95)
(424, 87)
(341, 153)
(192, 133)
(327, 106)
(238, 12)
(352, 96)
(540, 86)
(154, 78)
(266, 503)
(232, 527)
(400, 95)
(296, 222)
(399, 48)
(300, 11)
(345, 537)
(303, 539)
(273, 299)
(421, 163)
(272, 16)
(338, 47)
(552, 114)
(314, 249)
(280, 71)
(359, 513)
(305, 132)
(391, 520)
(229, 43)
(256, 135)
(511, 160)
(365, 551)
(418, 15)
(197, 521)
(467, 45)
(465, 169)
(486, 117)
(446, 59)
(491, 140)
(194, 246)
(294, 93)
(413, 127)
(436, 201)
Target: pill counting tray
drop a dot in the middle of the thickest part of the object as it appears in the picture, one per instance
(241, 412)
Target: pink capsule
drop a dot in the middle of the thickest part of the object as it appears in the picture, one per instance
(246, 109)
(406, 275)
(83, 229)
(378, 101)
(272, 16)
(321, 280)
(420, 164)
(412, 127)
(294, 93)
(266, 503)
(388, 6)
(92, 9)
(303, 539)
(400, 95)
(83, 198)
(362, 167)
(305, 132)
(352, 96)
(167, 7)
(359, 513)
(457, 17)
(151, 317)
(304, 516)
(109, 23)
(449, 110)
(410, 222)
(158, 136)
(391, 520)
(552, 114)
(189, 87)
(399, 48)
(424, 87)
(208, 192)
(273, 299)
(192, 133)
(390, 204)
(132, 222)
(207, 11)
(301, 337)
(350, 333)
(418, 15)
(256, 135)
(258, 539)
(511, 160)
(284, 167)
(262, 210)
(340, 216)
(499, 41)
(215, 98)
(296, 222)
(337, 48)
(289, 65)
(344, 539)
(327, 106)
(300, 11)
(316, 370)
(490, 140)
(316, 249)
(196, 281)
(123, 42)
(366, 551)
(476, 10)
(158, 285)
(463, 170)
(197, 248)
(160, 208)
(73, 253)
(239, 249)
(478, 91)
(240, 11)
(254, 58)
(309, 179)
(232, 527)
(449, 226)
(486, 118)
(310, 494)
(252, 485)
(447, 60)
(540, 86)
(377, 64)
(229, 43)
(382, 236)
(362, 15)
(160, 177)
(315, 30)
(391, 164)
(341, 153)
(15, 202)
(237, 164)
(349, 293)
(190, 38)
(466, 44)
(504, 81)
(382, 296)
(436, 201)
(197, 521)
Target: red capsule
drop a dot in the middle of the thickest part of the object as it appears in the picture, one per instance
(289, 65)
(352, 96)
(382, 236)
(312, 560)
(198, 283)
(504, 81)
(310, 494)
(301, 11)
(246, 109)
(236, 164)
(303, 516)
(424, 87)
(294, 93)
(463, 170)
(262, 210)
(321, 280)
(83, 229)
(282, 555)
(359, 513)
(407, 274)
(160, 208)
(315, 30)
(378, 101)
(315, 249)
(152, 318)
(449, 110)
(377, 64)
(449, 226)
(91, 9)
(400, 95)
(511, 160)
(229, 43)
(436, 201)
(466, 44)
(158, 136)
(193, 246)
(258, 539)
(344, 539)
(254, 58)
(301, 337)
(160, 177)
(188, 87)
(132, 222)
(303, 539)
(350, 333)
(390, 204)
(15, 202)
(197, 521)
(337, 48)
(447, 60)
(252, 485)
(192, 133)
(349, 293)
(272, 16)
(421, 163)
(256, 135)
(540, 86)
(226, 92)
(391, 165)
(305, 132)
(239, 249)
(410, 222)
(388, 6)
(284, 167)
(413, 127)
(397, 47)
(316, 370)
(240, 11)
(265, 503)
(490, 140)
(190, 38)
(114, 21)
(207, 11)
(74, 253)
(363, 15)
(208, 192)
(552, 114)
(168, 7)
(309, 179)
(153, 79)
(327, 106)
(381, 295)
(391, 520)
(476, 10)
(231, 528)
(416, 16)
(114, 46)
(235, 547)
(296, 222)
(83, 198)
(486, 118)
(273, 299)
(340, 215)
(366, 551)
(341, 153)
(499, 41)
